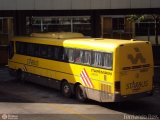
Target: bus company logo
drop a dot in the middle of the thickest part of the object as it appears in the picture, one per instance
(137, 85)
(4, 116)
(139, 57)
(85, 79)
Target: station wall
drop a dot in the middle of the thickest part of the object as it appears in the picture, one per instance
(76, 4)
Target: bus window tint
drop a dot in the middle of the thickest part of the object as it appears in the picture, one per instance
(30, 49)
(97, 61)
(107, 60)
(56, 53)
(71, 55)
(50, 52)
(43, 51)
(21, 48)
(60, 53)
(18, 48)
(78, 56)
(36, 50)
(87, 57)
(65, 54)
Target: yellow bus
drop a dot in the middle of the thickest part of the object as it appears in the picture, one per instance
(105, 70)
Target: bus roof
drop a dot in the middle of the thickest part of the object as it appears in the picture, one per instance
(83, 43)
(58, 35)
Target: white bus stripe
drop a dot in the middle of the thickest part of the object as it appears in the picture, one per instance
(84, 82)
(87, 79)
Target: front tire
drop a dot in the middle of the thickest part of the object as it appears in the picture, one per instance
(81, 93)
(66, 89)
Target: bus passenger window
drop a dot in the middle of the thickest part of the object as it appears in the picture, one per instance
(21, 48)
(18, 49)
(36, 50)
(65, 54)
(56, 52)
(87, 57)
(71, 55)
(97, 61)
(43, 51)
(50, 52)
(60, 54)
(78, 56)
(30, 49)
(108, 60)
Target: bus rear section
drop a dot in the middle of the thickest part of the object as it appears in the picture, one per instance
(135, 76)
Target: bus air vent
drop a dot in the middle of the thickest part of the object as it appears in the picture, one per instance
(106, 88)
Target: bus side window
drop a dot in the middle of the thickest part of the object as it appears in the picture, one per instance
(97, 61)
(60, 53)
(65, 54)
(71, 55)
(21, 48)
(18, 48)
(78, 56)
(92, 58)
(87, 58)
(56, 52)
(36, 50)
(24, 48)
(43, 51)
(30, 49)
(50, 52)
(108, 60)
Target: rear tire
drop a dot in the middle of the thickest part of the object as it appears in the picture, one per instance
(81, 93)
(66, 89)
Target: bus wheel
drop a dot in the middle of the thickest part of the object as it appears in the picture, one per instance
(80, 93)
(66, 89)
